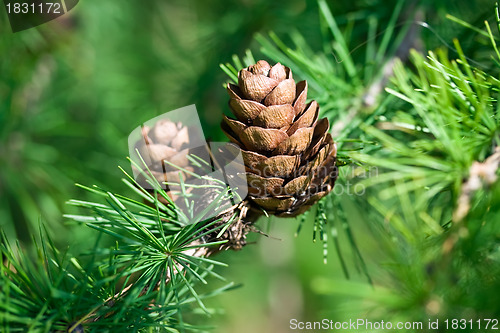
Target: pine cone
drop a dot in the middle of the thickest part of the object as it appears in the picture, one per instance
(165, 141)
(168, 141)
(289, 155)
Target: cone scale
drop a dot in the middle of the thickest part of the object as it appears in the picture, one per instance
(289, 156)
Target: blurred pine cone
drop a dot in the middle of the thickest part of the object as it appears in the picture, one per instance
(165, 141)
(289, 155)
(168, 141)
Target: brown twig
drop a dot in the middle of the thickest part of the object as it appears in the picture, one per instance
(370, 95)
(479, 174)
(410, 40)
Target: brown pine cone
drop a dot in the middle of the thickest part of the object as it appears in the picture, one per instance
(289, 155)
(165, 142)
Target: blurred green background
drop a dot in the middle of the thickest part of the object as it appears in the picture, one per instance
(73, 89)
